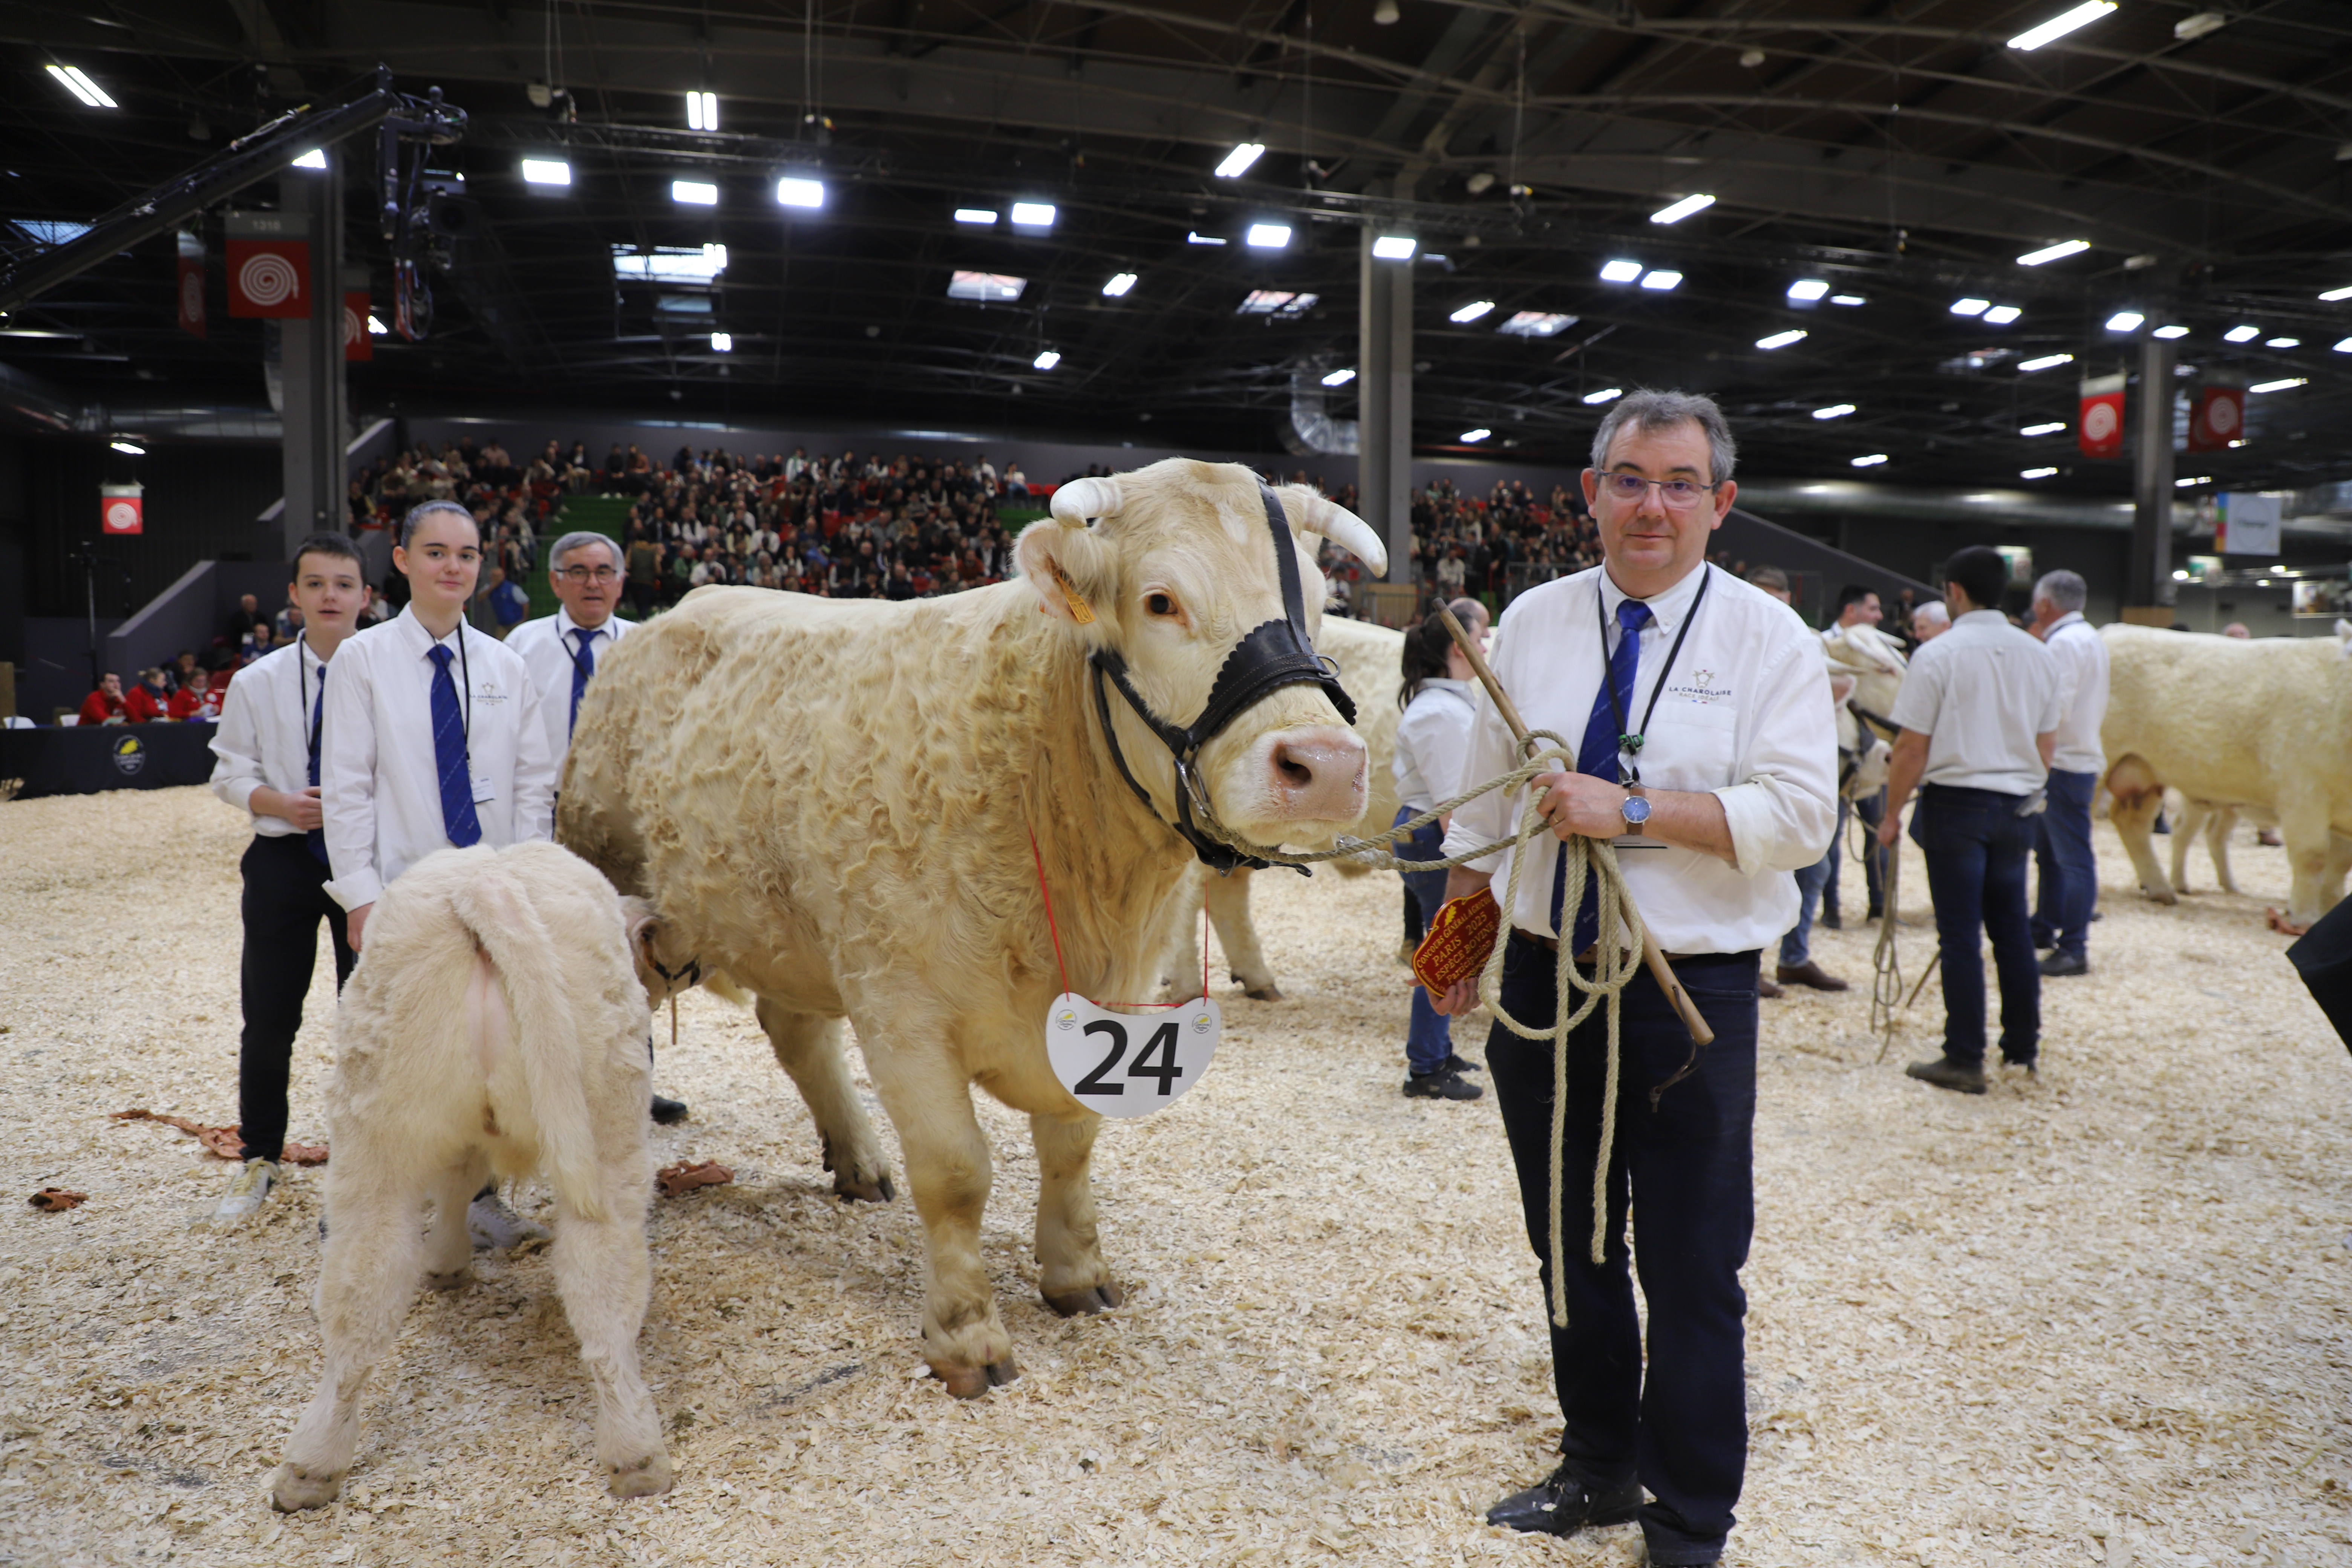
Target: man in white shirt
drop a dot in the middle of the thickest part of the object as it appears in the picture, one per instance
(561, 650)
(267, 765)
(1707, 745)
(1978, 719)
(2067, 885)
(1930, 621)
(1856, 607)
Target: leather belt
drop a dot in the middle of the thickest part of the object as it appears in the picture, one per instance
(1551, 944)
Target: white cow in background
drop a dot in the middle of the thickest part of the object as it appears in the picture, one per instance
(497, 1022)
(2265, 723)
(834, 803)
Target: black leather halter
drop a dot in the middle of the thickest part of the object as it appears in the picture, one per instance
(1274, 655)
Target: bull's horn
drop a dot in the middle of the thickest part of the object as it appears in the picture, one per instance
(1349, 531)
(1080, 500)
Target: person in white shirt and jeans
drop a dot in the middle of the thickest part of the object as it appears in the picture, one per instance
(2067, 882)
(1431, 741)
(1978, 721)
(1707, 749)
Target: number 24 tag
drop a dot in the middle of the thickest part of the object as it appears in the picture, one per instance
(1121, 1064)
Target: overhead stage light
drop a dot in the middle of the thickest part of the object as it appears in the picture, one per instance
(1620, 272)
(1661, 280)
(1471, 311)
(1238, 160)
(1340, 378)
(2061, 25)
(975, 214)
(1834, 411)
(2058, 252)
(1117, 285)
(1781, 340)
(1606, 394)
(1032, 215)
(1269, 236)
(2047, 361)
(1682, 209)
(546, 171)
(1394, 248)
(91, 95)
(1807, 288)
(797, 190)
(694, 193)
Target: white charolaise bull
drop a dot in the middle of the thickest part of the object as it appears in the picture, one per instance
(833, 804)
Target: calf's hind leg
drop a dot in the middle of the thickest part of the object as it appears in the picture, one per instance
(1073, 1277)
(449, 1245)
(808, 1048)
(604, 1277)
(367, 1276)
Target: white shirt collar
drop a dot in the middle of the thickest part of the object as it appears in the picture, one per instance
(1981, 617)
(421, 641)
(1666, 609)
(2071, 619)
(565, 627)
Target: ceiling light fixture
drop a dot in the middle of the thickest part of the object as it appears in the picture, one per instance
(1472, 438)
(2282, 343)
(91, 95)
(2061, 25)
(376, 329)
(694, 193)
(1269, 236)
(2058, 252)
(2050, 428)
(546, 171)
(2334, 294)
(2343, 345)
(1781, 340)
(1032, 215)
(2125, 321)
(1620, 272)
(2047, 361)
(1846, 299)
(1394, 248)
(1471, 311)
(2242, 334)
(1677, 211)
(316, 158)
(1238, 162)
(2192, 483)
(1536, 324)
(1117, 285)
(1661, 280)
(702, 111)
(128, 448)
(1870, 460)
(722, 342)
(1834, 411)
(1195, 237)
(2001, 315)
(798, 190)
(1606, 394)
(2189, 29)
(2035, 473)
(975, 214)
(2281, 386)
(1047, 360)
(2170, 332)
(1340, 378)
(1970, 307)
(1808, 289)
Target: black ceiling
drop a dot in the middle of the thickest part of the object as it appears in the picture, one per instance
(1898, 150)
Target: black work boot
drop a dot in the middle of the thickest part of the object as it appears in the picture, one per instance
(1562, 1504)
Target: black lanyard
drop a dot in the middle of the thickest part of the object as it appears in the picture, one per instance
(1631, 744)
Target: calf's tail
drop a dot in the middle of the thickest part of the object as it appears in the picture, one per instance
(498, 913)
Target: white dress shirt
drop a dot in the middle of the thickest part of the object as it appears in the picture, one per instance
(1980, 693)
(2082, 655)
(1745, 715)
(1431, 739)
(265, 731)
(379, 776)
(549, 647)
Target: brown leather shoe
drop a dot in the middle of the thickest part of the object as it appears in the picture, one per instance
(1809, 974)
(1766, 990)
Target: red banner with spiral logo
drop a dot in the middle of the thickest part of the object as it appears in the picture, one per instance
(2101, 422)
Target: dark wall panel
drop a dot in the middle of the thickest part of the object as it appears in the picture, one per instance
(201, 502)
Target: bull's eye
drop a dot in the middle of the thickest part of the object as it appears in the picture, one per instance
(1160, 604)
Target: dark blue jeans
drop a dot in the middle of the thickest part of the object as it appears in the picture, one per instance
(1872, 809)
(2067, 888)
(1975, 844)
(1687, 1171)
(1430, 1039)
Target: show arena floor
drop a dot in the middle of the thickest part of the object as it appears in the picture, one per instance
(2101, 1318)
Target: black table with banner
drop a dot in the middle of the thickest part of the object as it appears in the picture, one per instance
(75, 760)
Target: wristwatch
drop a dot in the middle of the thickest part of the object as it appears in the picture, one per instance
(1635, 810)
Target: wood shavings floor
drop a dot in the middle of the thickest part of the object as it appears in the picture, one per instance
(2097, 1318)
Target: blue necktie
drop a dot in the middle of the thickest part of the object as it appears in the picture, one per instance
(582, 668)
(317, 837)
(1598, 756)
(457, 817)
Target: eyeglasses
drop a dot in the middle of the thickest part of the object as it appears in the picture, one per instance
(1679, 495)
(587, 574)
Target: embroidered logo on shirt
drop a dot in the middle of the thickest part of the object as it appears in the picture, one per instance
(1701, 690)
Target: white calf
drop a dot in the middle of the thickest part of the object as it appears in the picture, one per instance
(496, 1023)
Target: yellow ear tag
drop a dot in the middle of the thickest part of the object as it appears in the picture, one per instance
(1080, 611)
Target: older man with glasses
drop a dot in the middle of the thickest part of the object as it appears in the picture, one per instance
(1706, 750)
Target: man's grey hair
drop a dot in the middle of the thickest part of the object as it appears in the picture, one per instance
(2064, 589)
(580, 539)
(1935, 612)
(1658, 411)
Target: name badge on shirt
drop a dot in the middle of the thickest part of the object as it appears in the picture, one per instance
(484, 789)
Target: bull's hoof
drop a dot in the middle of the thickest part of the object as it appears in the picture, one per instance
(2284, 924)
(455, 1279)
(650, 1477)
(294, 1489)
(878, 1191)
(2161, 895)
(1267, 992)
(971, 1382)
(1094, 1299)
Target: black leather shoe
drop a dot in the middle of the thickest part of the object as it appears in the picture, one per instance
(1944, 1073)
(2059, 964)
(667, 1111)
(1562, 1504)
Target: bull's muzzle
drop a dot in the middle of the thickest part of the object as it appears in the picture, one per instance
(1318, 775)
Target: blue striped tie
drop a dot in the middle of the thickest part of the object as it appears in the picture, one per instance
(1598, 756)
(317, 837)
(582, 668)
(458, 818)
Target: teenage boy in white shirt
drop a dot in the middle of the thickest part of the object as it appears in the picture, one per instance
(268, 747)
